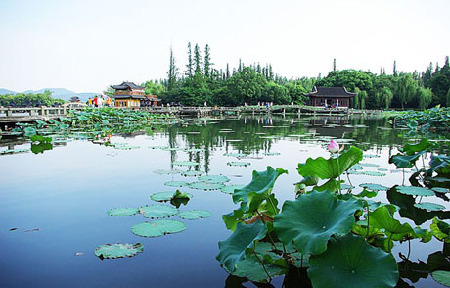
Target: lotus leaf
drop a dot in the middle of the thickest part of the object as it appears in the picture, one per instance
(429, 206)
(371, 156)
(195, 214)
(158, 228)
(404, 161)
(206, 186)
(230, 189)
(442, 277)
(252, 269)
(172, 149)
(158, 211)
(411, 149)
(113, 251)
(214, 179)
(238, 164)
(313, 218)
(194, 150)
(369, 165)
(14, 151)
(373, 173)
(232, 250)
(185, 163)
(440, 190)
(331, 168)
(177, 183)
(440, 230)
(123, 212)
(163, 171)
(272, 154)
(192, 173)
(347, 186)
(414, 191)
(350, 262)
(374, 186)
(169, 195)
(235, 154)
(258, 189)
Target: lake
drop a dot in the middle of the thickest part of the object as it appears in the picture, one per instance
(54, 205)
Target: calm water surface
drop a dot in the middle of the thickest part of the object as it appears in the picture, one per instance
(59, 200)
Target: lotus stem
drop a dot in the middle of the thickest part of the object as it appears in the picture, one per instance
(368, 222)
(264, 267)
(339, 176)
(409, 248)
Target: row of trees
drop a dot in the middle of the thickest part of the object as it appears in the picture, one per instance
(30, 100)
(199, 82)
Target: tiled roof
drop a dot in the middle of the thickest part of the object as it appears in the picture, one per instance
(126, 85)
(128, 96)
(330, 92)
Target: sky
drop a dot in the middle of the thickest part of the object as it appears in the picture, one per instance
(88, 45)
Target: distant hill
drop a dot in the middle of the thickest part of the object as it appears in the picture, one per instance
(6, 91)
(59, 93)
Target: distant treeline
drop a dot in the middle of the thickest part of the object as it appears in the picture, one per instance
(200, 82)
(30, 100)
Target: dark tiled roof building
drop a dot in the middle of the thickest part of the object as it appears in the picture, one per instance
(330, 97)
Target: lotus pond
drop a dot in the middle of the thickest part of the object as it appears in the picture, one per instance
(142, 206)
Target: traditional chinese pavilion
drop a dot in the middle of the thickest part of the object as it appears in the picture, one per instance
(330, 97)
(130, 95)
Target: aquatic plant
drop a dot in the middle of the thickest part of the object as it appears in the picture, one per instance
(334, 239)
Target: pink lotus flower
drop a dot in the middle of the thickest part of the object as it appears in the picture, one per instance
(333, 147)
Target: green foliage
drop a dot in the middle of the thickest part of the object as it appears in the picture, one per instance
(29, 100)
(158, 228)
(345, 267)
(113, 251)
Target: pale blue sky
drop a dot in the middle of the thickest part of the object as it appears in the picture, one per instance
(86, 46)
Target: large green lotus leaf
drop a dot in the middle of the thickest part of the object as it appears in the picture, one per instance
(195, 214)
(232, 219)
(429, 206)
(259, 187)
(405, 161)
(382, 219)
(252, 269)
(206, 185)
(350, 262)
(113, 251)
(442, 277)
(123, 212)
(214, 179)
(440, 230)
(415, 191)
(158, 228)
(192, 173)
(233, 249)
(331, 168)
(158, 211)
(411, 149)
(313, 218)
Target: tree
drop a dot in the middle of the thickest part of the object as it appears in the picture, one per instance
(189, 66)
(172, 74)
(198, 60)
(207, 62)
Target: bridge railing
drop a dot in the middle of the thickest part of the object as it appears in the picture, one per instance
(35, 111)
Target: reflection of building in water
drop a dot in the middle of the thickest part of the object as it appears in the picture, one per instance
(330, 97)
(323, 121)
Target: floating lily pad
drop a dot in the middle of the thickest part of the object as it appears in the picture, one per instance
(192, 173)
(347, 186)
(414, 191)
(157, 147)
(429, 206)
(442, 277)
(371, 156)
(374, 186)
(185, 163)
(206, 186)
(230, 189)
(113, 251)
(126, 147)
(214, 179)
(350, 262)
(14, 151)
(123, 212)
(158, 228)
(235, 154)
(158, 211)
(195, 214)
(169, 195)
(272, 154)
(374, 173)
(369, 165)
(440, 190)
(164, 171)
(356, 167)
(194, 150)
(172, 149)
(177, 183)
(238, 164)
